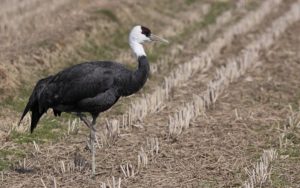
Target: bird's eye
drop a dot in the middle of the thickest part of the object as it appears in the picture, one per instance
(146, 31)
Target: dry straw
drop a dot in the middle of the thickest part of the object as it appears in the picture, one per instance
(113, 183)
(12, 20)
(233, 69)
(73, 126)
(109, 134)
(43, 183)
(54, 182)
(128, 170)
(150, 151)
(293, 123)
(194, 40)
(152, 102)
(152, 146)
(142, 159)
(45, 56)
(261, 171)
(36, 147)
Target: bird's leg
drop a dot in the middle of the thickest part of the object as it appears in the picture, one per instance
(85, 120)
(88, 124)
(92, 142)
(92, 137)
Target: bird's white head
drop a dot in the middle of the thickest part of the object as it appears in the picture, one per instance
(140, 34)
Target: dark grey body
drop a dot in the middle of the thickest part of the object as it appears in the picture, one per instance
(91, 87)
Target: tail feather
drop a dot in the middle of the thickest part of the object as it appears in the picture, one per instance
(35, 117)
(33, 104)
(27, 108)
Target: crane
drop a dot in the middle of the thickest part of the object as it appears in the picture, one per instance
(91, 87)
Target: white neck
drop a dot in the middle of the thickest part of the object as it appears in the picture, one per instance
(137, 48)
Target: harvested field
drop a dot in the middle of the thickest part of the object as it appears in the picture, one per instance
(220, 109)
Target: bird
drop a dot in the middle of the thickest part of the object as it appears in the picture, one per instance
(91, 87)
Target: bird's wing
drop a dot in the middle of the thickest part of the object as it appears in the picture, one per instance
(80, 82)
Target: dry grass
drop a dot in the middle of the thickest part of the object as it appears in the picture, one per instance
(261, 172)
(86, 42)
(153, 102)
(225, 75)
(87, 20)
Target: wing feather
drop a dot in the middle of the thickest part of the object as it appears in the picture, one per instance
(80, 82)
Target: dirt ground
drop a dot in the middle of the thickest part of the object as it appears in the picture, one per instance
(257, 112)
